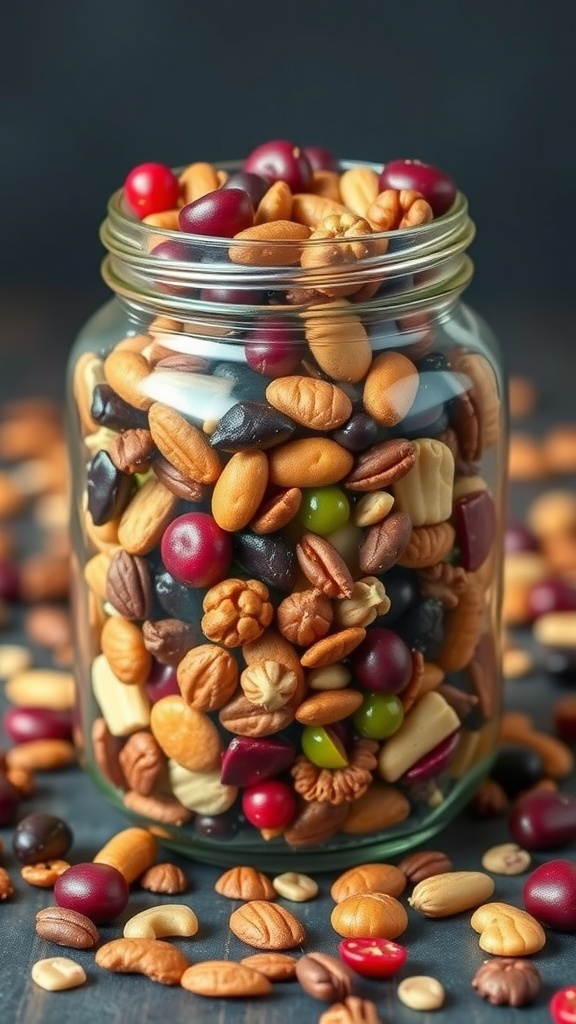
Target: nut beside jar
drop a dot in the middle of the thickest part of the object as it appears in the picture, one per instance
(287, 437)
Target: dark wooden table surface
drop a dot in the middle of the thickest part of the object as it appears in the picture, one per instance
(34, 339)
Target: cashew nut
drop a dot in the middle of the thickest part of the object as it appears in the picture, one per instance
(156, 922)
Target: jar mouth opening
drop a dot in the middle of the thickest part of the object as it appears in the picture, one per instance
(189, 264)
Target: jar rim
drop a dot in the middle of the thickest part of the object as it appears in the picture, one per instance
(133, 271)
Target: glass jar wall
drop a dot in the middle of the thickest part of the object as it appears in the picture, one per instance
(288, 461)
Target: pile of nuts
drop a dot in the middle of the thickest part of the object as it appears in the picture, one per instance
(368, 915)
(326, 617)
(290, 527)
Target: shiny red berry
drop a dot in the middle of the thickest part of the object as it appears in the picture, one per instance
(151, 188)
(269, 804)
(373, 958)
(195, 550)
(281, 160)
(562, 1006)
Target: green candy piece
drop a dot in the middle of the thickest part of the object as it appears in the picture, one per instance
(379, 716)
(323, 748)
(324, 510)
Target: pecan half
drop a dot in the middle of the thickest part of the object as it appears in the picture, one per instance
(381, 465)
(142, 761)
(169, 639)
(322, 564)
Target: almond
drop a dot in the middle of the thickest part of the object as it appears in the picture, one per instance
(328, 706)
(315, 404)
(310, 208)
(276, 244)
(390, 388)
(359, 188)
(338, 341)
(276, 204)
(185, 734)
(225, 979)
(309, 462)
(451, 892)
(144, 520)
(183, 444)
(124, 372)
(197, 180)
(123, 644)
(240, 489)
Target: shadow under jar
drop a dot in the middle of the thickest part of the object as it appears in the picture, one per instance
(288, 461)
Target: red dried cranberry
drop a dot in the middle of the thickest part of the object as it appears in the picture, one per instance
(475, 522)
(269, 804)
(195, 550)
(254, 185)
(543, 820)
(281, 160)
(321, 159)
(162, 682)
(97, 890)
(221, 214)
(549, 894)
(437, 187)
(382, 663)
(151, 188)
(273, 349)
(248, 760)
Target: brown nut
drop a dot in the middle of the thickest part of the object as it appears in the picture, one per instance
(66, 928)
(207, 677)
(6, 887)
(274, 244)
(451, 892)
(324, 977)
(353, 1010)
(266, 926)
(183, 445)
(274, 966)
(240, 489)
(372, 915)
(507, 931)
(131, 851)
(323, 566)
(304, 617)
(423, 864)
(123, 644)
(167, 879)
(315, 404)
(44, 874)
(507, 982)
(186, 735)
(368, 878)
(225, 979)
(236, 612)
(309, 462)
(390, 388)
(142, 762)
(158, 960)
(245, 883)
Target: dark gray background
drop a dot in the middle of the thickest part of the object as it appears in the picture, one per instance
(87, 90)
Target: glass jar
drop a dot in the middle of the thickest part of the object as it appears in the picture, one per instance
(288, 462)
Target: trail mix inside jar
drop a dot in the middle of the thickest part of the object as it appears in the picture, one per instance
(287, 523)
